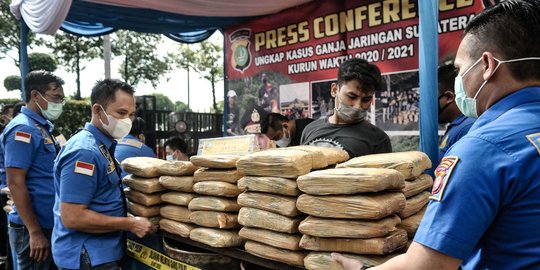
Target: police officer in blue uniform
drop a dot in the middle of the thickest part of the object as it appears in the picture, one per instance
(29, 153)
(89, 211)
(133, 144)
(449, 112)
(485, 205)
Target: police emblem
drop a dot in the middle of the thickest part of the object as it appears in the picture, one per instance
(535, 140)
(442, 174)
(241, 55)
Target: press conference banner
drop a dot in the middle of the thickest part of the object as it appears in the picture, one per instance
(286, 62)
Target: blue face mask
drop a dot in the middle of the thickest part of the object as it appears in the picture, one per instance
(466, 104)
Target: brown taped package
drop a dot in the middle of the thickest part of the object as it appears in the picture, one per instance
(176, 213)
(142, 198)
(212, 219)
(331, 154)
(216, 237)
(178, 198)
(207, 203)
(411, 164)
(276, 254)
(414, 204)
(350, 181)
(142, 166)
(412, 223)
(283, 205)
(323, 260)
(176, 168)
(417, 185)
(229, 176)
(216, 188)
(274, 185)
(318, 160)
(251, 217)
(275, 239)
(284, 163)
(365, 206)
(144, 185)
(143, 211)
(348, 228)
(175, 227)
(215, 161)
(177, 183)
(374, 246)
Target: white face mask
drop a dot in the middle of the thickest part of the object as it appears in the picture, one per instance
(169, 157)
(53, 111)
(117, 128)
(285, 140)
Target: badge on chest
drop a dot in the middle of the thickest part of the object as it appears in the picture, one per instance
(105, 152)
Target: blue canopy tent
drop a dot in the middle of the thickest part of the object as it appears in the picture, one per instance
(194, 21)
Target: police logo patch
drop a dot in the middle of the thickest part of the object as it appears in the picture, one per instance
(442, 174)
(535, 140)
(23, 137)
(241, 55)
(84, 168)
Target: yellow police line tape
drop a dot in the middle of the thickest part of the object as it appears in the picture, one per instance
(154, 259)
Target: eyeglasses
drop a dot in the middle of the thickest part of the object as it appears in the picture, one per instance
(56, 99)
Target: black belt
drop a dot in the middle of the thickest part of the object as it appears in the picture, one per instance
(15, 225)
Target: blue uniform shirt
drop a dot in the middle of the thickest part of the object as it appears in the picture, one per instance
(130, 146)
(457, 129)
(485, 203)
(84, 173)
(28, 145)
(3, 181)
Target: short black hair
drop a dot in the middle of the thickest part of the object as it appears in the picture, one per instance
(272, 120)
(446, 75)
(511, 28)
(39, 80)
(368, 75)
(176, 143)
(17, 108)
(6, 108)
(137, 126)
(104, 92)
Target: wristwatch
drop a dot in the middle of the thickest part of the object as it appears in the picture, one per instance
(364, 267)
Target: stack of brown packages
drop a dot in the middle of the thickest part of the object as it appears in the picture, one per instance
(411, 164)
(145, 187)
(215, 208)
(269, 214)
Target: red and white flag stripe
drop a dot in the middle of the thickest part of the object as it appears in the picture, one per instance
(23, 136)
(84, 168)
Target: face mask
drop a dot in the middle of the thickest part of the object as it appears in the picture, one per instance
(117, 128)
(349, 114)
(444, 107)
(284, 141)
(53, 111)
(169, 157)
(466, 104)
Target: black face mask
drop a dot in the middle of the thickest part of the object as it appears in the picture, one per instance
(444, 107)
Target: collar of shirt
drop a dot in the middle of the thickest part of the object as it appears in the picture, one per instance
(523, 96)
(457, 121)
(100, 136)
(37, 117)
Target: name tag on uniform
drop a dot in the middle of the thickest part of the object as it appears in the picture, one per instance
(23, 137)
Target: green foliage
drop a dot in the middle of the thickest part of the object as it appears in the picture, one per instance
(41, 61)
(219, 106)
(141, 61)
(163, 103)
(10, 101)
(405, 143)
(12, 82)
(76, 113)
(71, 50)
(180, 106)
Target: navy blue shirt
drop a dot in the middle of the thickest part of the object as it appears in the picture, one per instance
(457, 129)
(485, 203)
(130, 146)
(85, 173)
(28, 145)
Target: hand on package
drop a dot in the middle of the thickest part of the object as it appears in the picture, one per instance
(141, 226)
(347, 263)
(39, 246)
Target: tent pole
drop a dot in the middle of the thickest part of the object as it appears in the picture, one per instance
(23, 57)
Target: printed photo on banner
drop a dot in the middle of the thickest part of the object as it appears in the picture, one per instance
(294, 100)
(322, 103)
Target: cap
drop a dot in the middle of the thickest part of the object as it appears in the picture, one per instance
(231, 93)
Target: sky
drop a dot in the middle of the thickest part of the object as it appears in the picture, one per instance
(173, 84)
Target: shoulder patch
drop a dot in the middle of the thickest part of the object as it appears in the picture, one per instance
(84, 168)
(442, 174)
(23, 137)
(535, 140)
(131, 142)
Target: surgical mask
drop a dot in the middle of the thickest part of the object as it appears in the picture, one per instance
(53, 111)
(169, 157)
(466, 104)
(117, 128)
(350, 114)
(284, 141)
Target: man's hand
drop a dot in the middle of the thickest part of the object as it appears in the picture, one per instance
(141, 226)
(348, 264)
(39, 246)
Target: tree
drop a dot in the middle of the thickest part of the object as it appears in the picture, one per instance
(163, 102)
(219, 106)
(41, 61)
(9, 33)
(210, 65)
(141, 61)
(180, 106)
(71, 50)
(12, 82)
